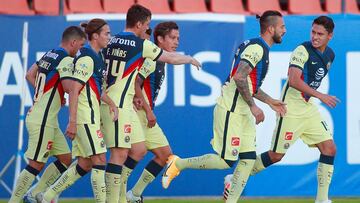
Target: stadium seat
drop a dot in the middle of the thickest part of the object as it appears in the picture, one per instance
(259, 6)
(15, 7)
(117, 6)
(46, 7)
(305, 7)
(88, 6)
(351, 6)
(227, 6)
(333, 6)
(189, 6)
(156, 6)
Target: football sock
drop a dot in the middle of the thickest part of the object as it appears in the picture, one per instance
(112, 179)
(68, 178)
(262, 161)
(129, 166)
(207, 161)
(23, 183)
(239, 180)
(324, 174)
(147, 176)
(98, 183)
(50, 175)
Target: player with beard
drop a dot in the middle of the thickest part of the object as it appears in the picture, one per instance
(235, 110)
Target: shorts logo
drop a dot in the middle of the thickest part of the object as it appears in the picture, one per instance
(127, 139)
(102, 144)
(286, 146)
(289, 135)
(127, 128)
(235, 152)
(99, 134)
(235, 141)
(49, 145)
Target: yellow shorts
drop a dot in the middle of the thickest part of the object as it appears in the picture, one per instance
(123, 132)
(312, 130)
(45, 141)
(88, 141)
(233, 133)
(154, 137)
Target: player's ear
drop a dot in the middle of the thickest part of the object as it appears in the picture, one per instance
(330, 36)
(160, 39)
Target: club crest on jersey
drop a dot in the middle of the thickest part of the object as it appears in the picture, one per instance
(235, 141)
(289, 135)
(127, 128)
(49, 145)
(99, 134)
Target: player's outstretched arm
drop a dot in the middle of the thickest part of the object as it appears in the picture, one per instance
(31, 74)
(113, 108)
(296, 82)
(150, 116)
(241, 82)
(177, 59)
(277, 105)
(73, 105)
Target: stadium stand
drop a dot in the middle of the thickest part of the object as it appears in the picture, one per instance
(88, 6)
(305, 7)
(47, 7)
(227, 6)
(333, 6)
(189, 6)
(15, 7)
(351, 6)
(259, 6)
(116, 6)
(156, 6)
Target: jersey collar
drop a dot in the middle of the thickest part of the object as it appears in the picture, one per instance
(267, 46)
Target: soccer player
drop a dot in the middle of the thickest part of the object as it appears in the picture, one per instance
(45, 136)
(166, 36)
(84, 120)
(234, 113)
(124, 55)
(309, 64)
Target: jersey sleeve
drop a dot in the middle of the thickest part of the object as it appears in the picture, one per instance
(151, 51)
(147, 68)
(299, 57)
(84, 68)
(66, 67)
(252, 54)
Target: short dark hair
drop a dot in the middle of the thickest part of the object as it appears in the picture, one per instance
(325, 21)
(137, 13)
(72, 32)
(163, 29)
(93, 26)
(267, 19)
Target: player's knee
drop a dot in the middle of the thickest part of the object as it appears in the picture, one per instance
(275, 157)
(330, 150)
(65, 159)
(36, 165)
(98, 159)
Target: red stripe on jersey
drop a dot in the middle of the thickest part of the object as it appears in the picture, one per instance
(234, 71)
(94, 87)
(137, 64)
(147, 89)
(302, 93)
(51, 83)
(61, 93)
(253, 78)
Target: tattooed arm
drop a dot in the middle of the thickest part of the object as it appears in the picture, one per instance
(277, 105)
(241, 82)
